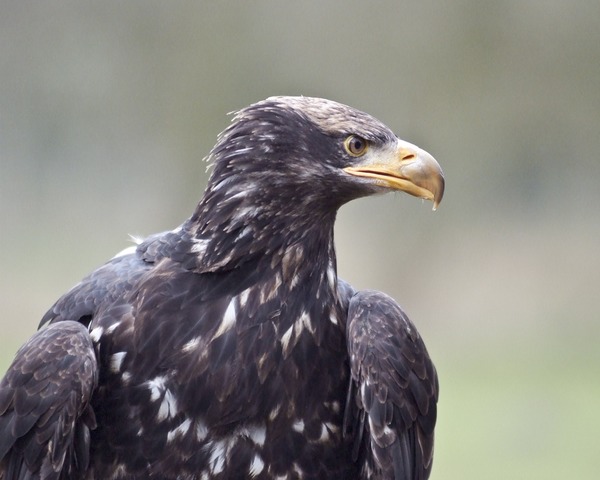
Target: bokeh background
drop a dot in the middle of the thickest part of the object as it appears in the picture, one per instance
(108, 108)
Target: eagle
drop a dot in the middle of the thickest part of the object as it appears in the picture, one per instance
(228, 347)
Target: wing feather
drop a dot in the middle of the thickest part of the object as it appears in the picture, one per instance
(394, 387)
(45, 418)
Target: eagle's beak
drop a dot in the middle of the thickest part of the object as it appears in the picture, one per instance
(407, 168)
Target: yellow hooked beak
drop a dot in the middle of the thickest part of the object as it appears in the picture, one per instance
(407, 168)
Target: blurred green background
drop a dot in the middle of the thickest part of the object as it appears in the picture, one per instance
(108, 108)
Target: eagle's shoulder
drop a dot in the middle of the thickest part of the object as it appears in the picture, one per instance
(110, 282)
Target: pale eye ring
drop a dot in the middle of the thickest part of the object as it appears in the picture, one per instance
(355, 145)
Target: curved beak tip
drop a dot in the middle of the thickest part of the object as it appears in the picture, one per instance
(438, 194)
(425, 176)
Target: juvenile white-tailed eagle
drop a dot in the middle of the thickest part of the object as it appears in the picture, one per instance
(229, 348)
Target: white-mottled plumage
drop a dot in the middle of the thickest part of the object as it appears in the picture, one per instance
(228, 347)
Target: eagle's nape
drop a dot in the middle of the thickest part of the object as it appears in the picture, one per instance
(228, 347)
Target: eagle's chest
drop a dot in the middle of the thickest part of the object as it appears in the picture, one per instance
(283, 362)
(283, 411)
(249, 394)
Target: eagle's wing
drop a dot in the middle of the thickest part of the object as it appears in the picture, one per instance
(391, 406)
(45, 417)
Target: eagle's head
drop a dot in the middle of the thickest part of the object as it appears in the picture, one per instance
(286, 164)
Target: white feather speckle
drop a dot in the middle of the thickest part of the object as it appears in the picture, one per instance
(303, 322)
(181, 430)
(96, 333)
(201, 430)
(258, 434)
(244, 297)
(168, 406)
(113, 327)
(324, 433)
(156, 386)
(257, 466)
(331, 276)
(199, 245)
(298, 470)
(191, 345)
(285, 339)
(298, 425)
(270, 289)
(228, 319)
(332, 428)
(116, 361)
(216, 461)
(273, 413)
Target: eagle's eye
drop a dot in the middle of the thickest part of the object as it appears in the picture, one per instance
(355, 145)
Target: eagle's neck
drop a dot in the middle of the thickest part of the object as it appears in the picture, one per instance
(246, 224)
(280, 265)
